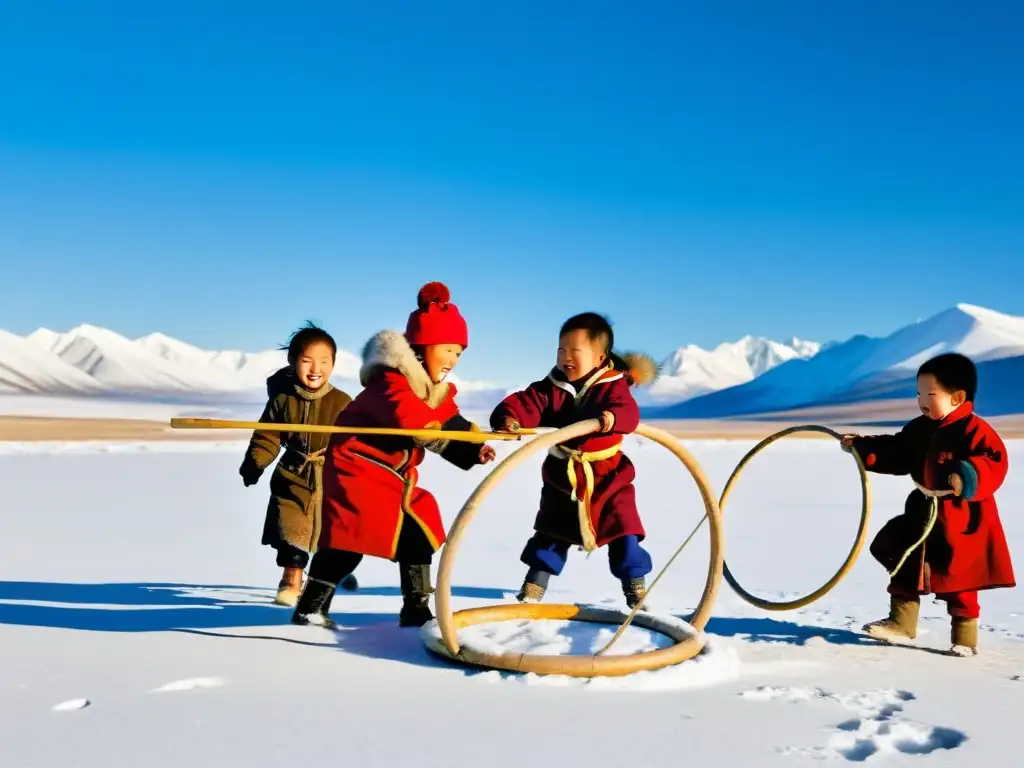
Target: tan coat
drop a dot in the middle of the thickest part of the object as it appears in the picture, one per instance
(296, 487)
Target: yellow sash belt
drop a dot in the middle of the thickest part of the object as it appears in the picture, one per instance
(584, 458)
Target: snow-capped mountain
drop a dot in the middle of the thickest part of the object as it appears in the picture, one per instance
(26, 368)
(691, 371)
(97, 361)
(864, 368)
(246, 369)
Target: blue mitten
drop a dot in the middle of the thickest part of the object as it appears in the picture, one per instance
(969, 476)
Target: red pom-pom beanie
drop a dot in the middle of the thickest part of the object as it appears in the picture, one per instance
(436, 320)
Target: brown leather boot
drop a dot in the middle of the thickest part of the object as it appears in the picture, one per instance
(534, 586)
(290, 587)
(963, 634)
(901, 625)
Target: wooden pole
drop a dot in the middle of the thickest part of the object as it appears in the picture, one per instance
(423, 434)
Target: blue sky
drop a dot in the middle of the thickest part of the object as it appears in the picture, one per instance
(222, 171)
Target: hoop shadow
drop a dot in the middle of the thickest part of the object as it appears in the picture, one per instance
(767, 630)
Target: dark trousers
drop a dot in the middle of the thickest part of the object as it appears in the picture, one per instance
(289, 556)
(333, 565)
(626, 558)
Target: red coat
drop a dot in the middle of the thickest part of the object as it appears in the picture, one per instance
(967, 549)
(371, 483)
(554, 402)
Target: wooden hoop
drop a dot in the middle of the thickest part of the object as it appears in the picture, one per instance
(687, 644)
(851, 558)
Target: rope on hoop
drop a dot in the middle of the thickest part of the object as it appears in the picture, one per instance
(448, 622)
(727, 575)
(933, 515)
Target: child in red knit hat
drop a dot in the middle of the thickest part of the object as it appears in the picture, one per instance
(587, 498)
(372, 502)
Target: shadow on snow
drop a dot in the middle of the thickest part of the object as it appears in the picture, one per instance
(203, 609)
(159, 607)
(768, 630)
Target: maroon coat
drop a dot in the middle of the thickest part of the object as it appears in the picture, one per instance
(966, 549)
(554, 402)
(371, 482)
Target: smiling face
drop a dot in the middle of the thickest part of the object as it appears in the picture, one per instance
(578, 355)
(935, 401)
(314, 366)
(439, 359)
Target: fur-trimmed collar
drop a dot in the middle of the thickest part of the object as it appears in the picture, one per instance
(601, 375)
(389, 349)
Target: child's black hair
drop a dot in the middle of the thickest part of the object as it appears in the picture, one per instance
(954, 372)
(599, 330)
(597, 327)
(308, 334)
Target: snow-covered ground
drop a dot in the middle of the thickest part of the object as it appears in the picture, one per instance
(137, 626)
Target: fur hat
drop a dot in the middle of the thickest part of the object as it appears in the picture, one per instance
(436, 320)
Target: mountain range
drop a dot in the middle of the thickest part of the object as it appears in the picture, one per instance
(865, 369)
(691, 371)
(749, 377)
(88, 360)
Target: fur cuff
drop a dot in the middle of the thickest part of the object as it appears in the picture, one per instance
(969, 475)
(641, 368)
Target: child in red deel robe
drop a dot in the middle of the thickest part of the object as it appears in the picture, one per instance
(587, 498)
(372, 503)
(958, 461)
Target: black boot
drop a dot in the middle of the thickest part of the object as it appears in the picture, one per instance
(350, 583)
(416, 590)
(314, 603)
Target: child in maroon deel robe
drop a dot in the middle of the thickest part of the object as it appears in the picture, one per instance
(587, 498)
(957, 461)
(372, 502)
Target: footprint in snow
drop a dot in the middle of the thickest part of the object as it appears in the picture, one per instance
(190, 684)
(72, 705)
(878, 725)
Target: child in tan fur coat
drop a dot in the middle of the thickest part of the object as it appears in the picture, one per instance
(299, 393)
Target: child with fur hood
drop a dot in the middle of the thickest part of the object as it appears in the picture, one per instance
(299, 393)
(373, 504)
(587, 498)
(957, 462)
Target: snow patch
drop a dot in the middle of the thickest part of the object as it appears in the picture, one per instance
(785, 693)
(190, 684)
(71, 705)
